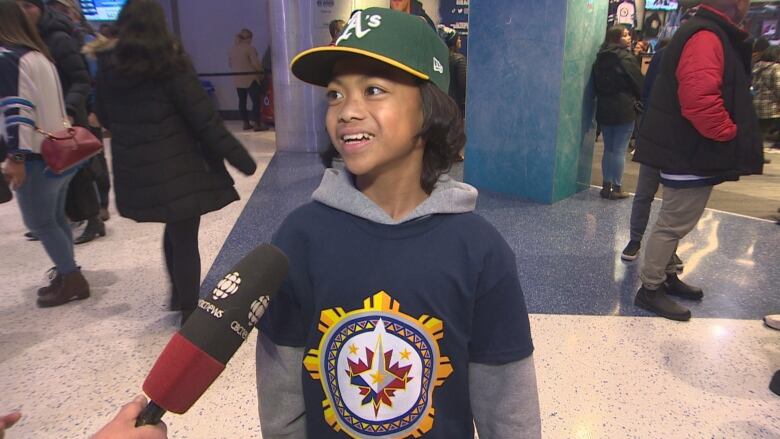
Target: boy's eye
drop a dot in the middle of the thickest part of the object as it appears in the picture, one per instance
(373, 91)
(333, 95)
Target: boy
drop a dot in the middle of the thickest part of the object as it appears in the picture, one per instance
(402, 315)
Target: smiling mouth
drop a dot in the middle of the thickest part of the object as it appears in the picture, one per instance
(352, 139)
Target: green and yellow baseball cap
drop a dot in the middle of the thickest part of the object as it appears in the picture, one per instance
(401, 40)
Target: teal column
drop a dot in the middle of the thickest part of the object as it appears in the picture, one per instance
(530, 103)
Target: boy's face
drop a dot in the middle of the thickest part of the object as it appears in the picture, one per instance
(374, 117)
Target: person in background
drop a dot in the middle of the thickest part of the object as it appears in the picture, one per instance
(31, 98)
(414, 7)
(243, 58)
(618, 83)
(97, 167)
(168, 142)
(766, 92)
(698, 136)
(336, 27)
(649, 178)
(62, 41)
(759, 46)
(457, 66)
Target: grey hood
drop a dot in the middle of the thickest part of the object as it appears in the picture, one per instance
(337, 191)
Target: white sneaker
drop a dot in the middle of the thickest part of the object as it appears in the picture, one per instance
(773, 321)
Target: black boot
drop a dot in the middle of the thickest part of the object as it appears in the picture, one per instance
(260, 126)
(247, 125)
(658, 302)
(774, 385)
(95, 227)
(606, 189)
(675, 287)
(617, 193)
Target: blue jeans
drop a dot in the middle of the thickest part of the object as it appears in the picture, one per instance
(616, 138)
(42, 202)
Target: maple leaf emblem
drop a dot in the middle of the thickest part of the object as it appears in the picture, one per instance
(378, 378)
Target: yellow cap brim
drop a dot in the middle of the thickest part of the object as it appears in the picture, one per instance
(315, 65)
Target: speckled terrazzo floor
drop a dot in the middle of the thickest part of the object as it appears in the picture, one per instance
(605, 369)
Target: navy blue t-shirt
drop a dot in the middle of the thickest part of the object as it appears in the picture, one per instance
(390, 317)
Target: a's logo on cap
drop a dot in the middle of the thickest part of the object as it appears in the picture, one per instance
(257, 309)
(227, 286)
(356, 25)
(437, 67)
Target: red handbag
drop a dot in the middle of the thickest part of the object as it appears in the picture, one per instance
(68, 148)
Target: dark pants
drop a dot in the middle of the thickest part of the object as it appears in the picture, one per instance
(182, 259)
(254, 94)
(646, 187)
(99, 168)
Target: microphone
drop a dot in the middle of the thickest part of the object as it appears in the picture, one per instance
(198, 353)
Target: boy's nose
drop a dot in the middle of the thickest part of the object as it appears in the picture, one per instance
(352, 108)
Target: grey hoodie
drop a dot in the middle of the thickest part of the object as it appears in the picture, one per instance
(337, 191)
(504, 399)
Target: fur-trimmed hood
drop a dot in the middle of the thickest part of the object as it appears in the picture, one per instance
(98, 45)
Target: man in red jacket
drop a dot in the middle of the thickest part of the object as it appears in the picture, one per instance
(699, 130)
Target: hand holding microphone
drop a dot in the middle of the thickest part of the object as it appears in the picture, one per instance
(197, 354)
(123, 424)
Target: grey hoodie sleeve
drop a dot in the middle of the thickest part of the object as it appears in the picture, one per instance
(504, 400)
(279, 390)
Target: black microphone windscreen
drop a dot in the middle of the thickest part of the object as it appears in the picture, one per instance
(225, 317)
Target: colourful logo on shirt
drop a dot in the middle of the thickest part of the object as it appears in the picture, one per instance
(378, 368)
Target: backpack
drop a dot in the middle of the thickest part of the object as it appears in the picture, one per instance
(608, 74)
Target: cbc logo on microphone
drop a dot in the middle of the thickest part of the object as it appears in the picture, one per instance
(227, 286)
(257, 309)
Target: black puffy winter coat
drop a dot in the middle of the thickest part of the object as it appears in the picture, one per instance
(168, 145)
(616, 100)
(62, 41)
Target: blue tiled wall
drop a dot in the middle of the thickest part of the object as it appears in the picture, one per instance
(527, 97)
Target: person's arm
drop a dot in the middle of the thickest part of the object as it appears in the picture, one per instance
(18, 109)
(280, 390)
(631, 67)
(700, 79)
(194, 105)
(254, 61)
(502, 381)
(505, 400)
(70, 64)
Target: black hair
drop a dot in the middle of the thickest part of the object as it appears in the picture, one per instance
(761, 44)
(443, 133)
(613, 36)
(771, 54)
(145, 47)
(335, 28)
(16, 30)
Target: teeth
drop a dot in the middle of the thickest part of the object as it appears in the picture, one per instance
(357, 137)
